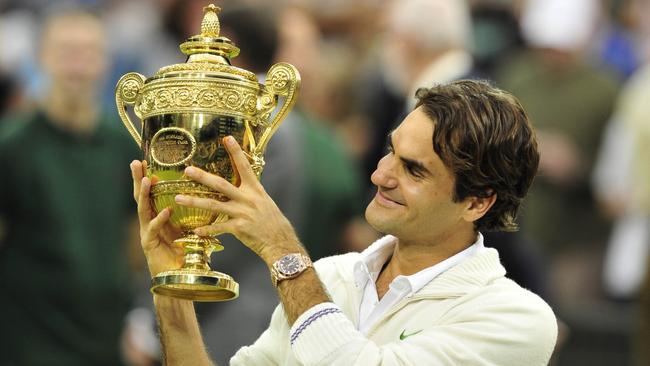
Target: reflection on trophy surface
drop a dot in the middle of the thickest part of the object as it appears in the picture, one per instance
(186, 110)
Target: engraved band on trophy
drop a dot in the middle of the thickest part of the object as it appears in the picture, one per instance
(186, 110)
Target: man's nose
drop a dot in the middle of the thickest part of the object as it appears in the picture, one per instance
(384, 175)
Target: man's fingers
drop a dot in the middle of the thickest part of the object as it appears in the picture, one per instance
(206, 203)
(144, 205)
(157, 223)
(213, 181)
(214, 229)
(168, 235)
(239, 160)
(136, 174)
(156, 228)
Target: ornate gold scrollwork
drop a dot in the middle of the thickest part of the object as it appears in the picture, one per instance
(257, 162)
(206, 66)
(282, 80)
(265, 105)
(127, 92)
(209, 97)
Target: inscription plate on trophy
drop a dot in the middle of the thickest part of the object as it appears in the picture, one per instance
(172, 146)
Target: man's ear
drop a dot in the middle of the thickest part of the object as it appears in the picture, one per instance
(477, 207)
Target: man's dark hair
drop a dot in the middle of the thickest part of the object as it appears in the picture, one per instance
(484, 136)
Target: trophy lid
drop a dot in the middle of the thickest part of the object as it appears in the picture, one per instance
(208, 51)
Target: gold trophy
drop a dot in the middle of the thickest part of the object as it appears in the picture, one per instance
(186, 110)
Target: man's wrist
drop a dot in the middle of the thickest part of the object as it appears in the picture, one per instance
(156, 268)
(272, 253)
(170, 302)
(289, 267)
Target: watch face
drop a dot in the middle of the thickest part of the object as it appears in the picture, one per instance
(289, 265)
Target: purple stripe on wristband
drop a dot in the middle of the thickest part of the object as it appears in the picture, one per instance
(312, 318)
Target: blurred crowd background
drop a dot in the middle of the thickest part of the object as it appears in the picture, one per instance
(73, 287)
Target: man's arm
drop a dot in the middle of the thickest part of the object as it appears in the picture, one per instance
(301, 294)
(180, 336)
(182, 343)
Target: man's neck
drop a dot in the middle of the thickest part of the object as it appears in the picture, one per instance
(76, 114)
(410, 257)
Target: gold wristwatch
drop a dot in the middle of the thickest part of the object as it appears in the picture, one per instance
(289, 266)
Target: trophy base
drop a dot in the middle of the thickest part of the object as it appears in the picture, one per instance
(196, 285)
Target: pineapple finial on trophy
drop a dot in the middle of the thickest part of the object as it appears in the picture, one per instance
(200, 47)
(210, 24)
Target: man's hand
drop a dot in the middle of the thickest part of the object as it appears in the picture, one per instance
(156, 232)
(253, 216)
(256, 220)
(180, 336)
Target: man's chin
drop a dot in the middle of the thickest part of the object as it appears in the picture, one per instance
(379, 221)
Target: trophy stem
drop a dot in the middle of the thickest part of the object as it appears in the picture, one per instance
(197, 250)
(195, 280)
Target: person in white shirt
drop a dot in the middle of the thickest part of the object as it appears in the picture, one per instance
(427, 293)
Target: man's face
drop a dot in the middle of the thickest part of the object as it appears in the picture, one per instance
(74, 55)
(414, 187)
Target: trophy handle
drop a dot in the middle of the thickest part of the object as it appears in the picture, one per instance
(127, 91)
(283, 79)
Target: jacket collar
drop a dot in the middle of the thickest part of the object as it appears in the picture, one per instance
(471, 274)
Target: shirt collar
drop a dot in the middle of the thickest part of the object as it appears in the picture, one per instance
(374, 257)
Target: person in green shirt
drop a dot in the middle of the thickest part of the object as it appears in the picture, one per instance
(64, 201)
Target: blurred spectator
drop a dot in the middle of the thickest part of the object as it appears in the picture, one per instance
(616, 44)
(569, 102)
(496, 35)
(332, 190)
(141, 38)
(622, 183)
(14, 53)
(65, 195)
(415, 51)
(18, 28)
(346, 32)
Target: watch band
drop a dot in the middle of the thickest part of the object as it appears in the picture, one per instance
(280, 273)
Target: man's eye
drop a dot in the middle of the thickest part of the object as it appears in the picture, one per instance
(413, 171)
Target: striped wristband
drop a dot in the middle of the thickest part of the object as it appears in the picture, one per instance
(310, 316)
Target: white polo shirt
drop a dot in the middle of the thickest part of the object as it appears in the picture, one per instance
(366, 272)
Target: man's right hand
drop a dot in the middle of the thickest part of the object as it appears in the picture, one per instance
(156, 231)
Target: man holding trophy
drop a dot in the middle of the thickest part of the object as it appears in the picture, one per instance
(427, 293)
